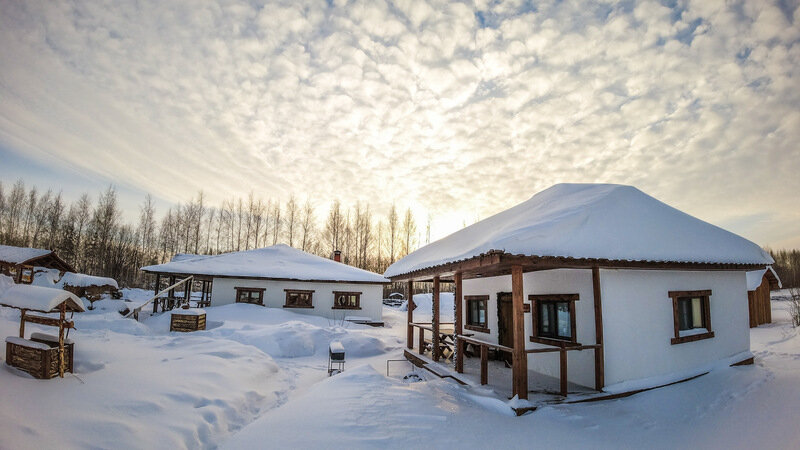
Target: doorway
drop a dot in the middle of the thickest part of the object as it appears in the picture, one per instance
(505, 324)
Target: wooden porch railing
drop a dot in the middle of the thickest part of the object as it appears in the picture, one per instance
(135, 312)
(427, 326)
(484, 346)
(563, 360)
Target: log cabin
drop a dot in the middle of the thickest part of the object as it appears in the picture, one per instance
(19, 262)
(596, 285)
(281, 277)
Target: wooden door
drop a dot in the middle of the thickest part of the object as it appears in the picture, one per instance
(505, 323)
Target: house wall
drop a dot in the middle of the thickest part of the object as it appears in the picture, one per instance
(637, 320)
(223, 292)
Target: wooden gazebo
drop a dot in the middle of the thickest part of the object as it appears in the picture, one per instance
(20, 261)
(44, 356)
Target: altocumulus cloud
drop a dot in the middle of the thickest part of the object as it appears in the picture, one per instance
(461, 109)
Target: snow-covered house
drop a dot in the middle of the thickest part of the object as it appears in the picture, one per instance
(645, 290)
(284, 277)
(19, 262)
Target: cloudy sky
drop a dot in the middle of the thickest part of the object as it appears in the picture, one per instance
(456, 109)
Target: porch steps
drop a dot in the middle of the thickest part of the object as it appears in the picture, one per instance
(424, 362)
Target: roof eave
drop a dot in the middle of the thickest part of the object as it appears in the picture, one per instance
(496, 262)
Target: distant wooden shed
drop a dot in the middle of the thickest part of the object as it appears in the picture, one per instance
(18, 262)
(759, 285)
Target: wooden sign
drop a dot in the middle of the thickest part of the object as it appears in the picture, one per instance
(526, 307)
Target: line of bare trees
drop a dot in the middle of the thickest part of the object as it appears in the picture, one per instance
(92, 236)
(787, 266)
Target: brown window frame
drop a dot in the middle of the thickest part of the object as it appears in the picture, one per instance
(705, 298)
(471, 299)
(336, 295)
(570, 299)
(259, 291)
(299, 291)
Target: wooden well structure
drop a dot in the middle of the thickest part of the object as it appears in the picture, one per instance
(43, 355)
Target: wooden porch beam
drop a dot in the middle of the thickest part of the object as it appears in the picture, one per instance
(519, 358)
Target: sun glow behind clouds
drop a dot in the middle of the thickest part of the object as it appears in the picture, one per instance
(460, 110)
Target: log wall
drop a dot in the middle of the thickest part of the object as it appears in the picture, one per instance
(759, 304)
(187, 322)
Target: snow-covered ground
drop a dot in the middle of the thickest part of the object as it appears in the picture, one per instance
(257, 379)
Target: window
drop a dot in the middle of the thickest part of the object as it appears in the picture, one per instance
(298, 299)
(26, 275)
(347, 300)
(250, 295)
(554, 319)
(476, 313)
(691, 316)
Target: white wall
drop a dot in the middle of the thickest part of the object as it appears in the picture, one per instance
(223, 292)
(637, 320)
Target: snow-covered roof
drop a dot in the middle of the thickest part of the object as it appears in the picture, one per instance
(83, 280)
(19, 255)
(185, 257)
(756, 277)
(593, 221)
(275, 262)
(37, 298)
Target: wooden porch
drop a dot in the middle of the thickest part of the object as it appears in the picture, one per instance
(496, 264)
(177, 298)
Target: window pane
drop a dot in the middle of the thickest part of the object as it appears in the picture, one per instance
(482, 313)
(684, 314)
(697, 313)
(564, 323)
(544, 319)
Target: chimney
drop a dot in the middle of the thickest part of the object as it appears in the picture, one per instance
(337, 256)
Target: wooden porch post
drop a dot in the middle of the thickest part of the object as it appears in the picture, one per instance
(155, 291)
(519, 357)
(435, 320)
(171, 282)
(599, 361)
(484, 364)
(421, 341)
(22, 324)
(62, 318)
(410, 308)
(563, 371)
(458, 323)
(188, 294)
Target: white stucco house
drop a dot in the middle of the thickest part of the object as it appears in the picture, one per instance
(283, 277)
(647, 292)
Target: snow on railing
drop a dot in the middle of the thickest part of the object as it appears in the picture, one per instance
(135, 312)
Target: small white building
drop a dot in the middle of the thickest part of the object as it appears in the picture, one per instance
(644, 290)
(284, 277)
